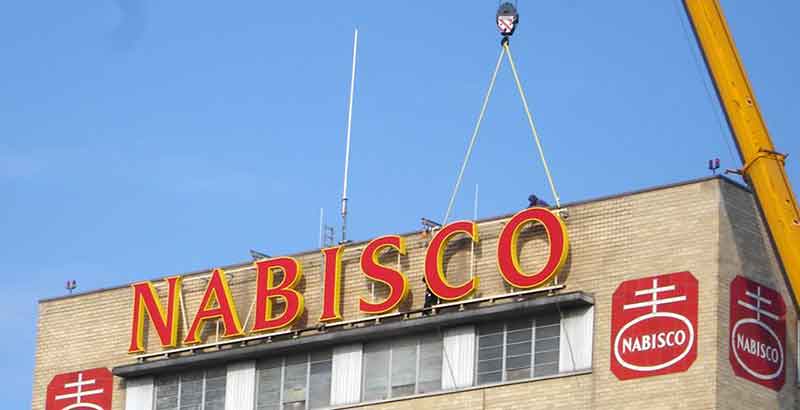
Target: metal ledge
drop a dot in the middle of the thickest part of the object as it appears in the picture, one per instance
(360, 334)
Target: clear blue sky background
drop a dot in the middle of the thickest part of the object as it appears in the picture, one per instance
(141, 138)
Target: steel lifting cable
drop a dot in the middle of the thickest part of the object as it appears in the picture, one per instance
(506, 50)
(530, 122)
(474, 136)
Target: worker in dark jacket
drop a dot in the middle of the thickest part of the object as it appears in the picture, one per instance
(430, 298)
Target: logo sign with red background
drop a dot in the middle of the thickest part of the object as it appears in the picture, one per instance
(84, 390)
(654, 326)
(757, 333)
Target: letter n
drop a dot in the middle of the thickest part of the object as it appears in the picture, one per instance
(145, 300)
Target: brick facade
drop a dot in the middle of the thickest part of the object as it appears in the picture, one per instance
(709, 227)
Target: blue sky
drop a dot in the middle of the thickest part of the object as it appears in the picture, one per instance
(142, 138)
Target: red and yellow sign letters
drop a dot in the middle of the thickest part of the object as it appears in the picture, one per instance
(218, 304)
(507, 246)
(217, 290)
(266, 291)
(145, 299)
(332, 285)
(397, 282)
(434, 262)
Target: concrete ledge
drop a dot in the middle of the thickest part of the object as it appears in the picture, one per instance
(364, 334)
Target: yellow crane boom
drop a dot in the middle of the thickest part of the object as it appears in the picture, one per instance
(763, 167)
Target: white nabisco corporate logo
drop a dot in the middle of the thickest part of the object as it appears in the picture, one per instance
(654, 325)
(659, 339)
(771, 351)
(83, 390)
(75, 398)
(758, 333)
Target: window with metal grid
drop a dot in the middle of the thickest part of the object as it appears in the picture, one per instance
(197, 390)
(518, 349)
(297, 382)
(402, 367)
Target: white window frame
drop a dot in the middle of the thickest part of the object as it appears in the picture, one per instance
(504, 350)
(283, 380)
(418, 348)
(180, 384)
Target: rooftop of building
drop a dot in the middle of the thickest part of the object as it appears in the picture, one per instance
(240, 265)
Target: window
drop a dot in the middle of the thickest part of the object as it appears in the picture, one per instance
(495, 351)
(402, 367)
(518, 349)
(197, 390)
(297, 382)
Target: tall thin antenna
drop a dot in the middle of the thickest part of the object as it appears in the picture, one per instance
(321, 226)
(475, 209)
(347, 147)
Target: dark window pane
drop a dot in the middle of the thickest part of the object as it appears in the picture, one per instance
(547, 344)
(518, 349)
(215, 389)
(191, 391)
(489, 365)
(546, 357)
(485, 378)
(518, 374)
(295, 381)
(547, 332)
(167, 393)
(490, 353)
(321, 356)
(402, 390)
(294, 405)
(551, 319)
(517, 336)
(519, 324)
(490, 340)
(518, 362)
(320, 385)
(404, 366)
(430, 363)
(545, 370)
(490, 328)
(376, 371)
(269, 384)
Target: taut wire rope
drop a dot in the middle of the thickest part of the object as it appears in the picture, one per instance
(530, 122)
(474, 136)
(506, 51)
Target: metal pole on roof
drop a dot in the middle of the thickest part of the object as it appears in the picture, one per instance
(321, 227)
(347, 146)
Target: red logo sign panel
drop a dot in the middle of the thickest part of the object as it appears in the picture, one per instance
(84, 390)
(757, 333)
(654, 326)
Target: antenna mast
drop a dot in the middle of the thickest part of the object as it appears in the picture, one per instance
(347, 147)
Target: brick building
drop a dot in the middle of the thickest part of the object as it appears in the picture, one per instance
(670, 297)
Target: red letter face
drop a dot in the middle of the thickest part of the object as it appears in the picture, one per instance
(434, 261)
(507, 249)
(332, 286)
(145, 299)
(218, 290)
(266, 290)
(397, 282)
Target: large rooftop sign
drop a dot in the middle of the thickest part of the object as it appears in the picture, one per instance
(217, 303)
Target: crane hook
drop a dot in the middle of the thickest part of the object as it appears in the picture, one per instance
(507, 19)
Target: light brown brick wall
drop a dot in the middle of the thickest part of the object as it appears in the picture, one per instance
(660, 231)
(745, 250)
